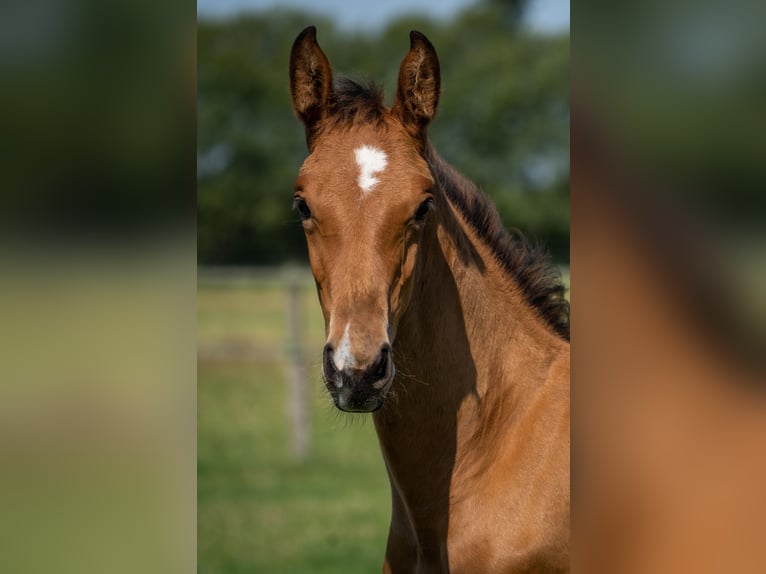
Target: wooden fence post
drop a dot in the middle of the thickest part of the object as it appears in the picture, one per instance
(297, 392)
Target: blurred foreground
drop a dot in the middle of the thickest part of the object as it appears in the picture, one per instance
(669, 325)
(97, 445)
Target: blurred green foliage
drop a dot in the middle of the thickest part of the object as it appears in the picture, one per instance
(680, 96)
(503, 121)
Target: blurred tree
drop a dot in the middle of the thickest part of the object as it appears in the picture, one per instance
(503, 121)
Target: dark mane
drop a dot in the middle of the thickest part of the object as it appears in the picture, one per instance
(353, 103)
(526, 261)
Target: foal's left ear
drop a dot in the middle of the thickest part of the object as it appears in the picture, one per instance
(310, 81)
(417, 94)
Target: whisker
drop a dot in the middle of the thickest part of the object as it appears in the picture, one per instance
(400, 370)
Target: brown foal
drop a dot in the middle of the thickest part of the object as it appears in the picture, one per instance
(452, 331)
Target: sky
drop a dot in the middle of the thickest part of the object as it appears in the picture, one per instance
(544, 16)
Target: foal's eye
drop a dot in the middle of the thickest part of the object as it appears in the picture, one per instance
(422, 211)
(300, 205)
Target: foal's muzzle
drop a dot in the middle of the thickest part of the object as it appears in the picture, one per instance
(359, 390)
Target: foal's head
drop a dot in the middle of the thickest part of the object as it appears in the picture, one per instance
(364, 194)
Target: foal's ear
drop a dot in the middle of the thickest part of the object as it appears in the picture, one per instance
(417, 94)
(310, 81)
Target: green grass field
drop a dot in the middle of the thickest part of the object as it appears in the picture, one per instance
(259, 511)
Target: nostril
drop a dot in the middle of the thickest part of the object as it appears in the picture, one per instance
(328, 363)
(380, 368)
(385, 351)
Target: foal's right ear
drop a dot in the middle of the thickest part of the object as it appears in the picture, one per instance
(310, 81)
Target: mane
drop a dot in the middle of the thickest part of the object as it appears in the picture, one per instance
(527, 262)
(354, 103)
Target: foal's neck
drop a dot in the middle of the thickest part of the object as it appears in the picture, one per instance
(468, 331)
(468, 300)
(473, 360)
